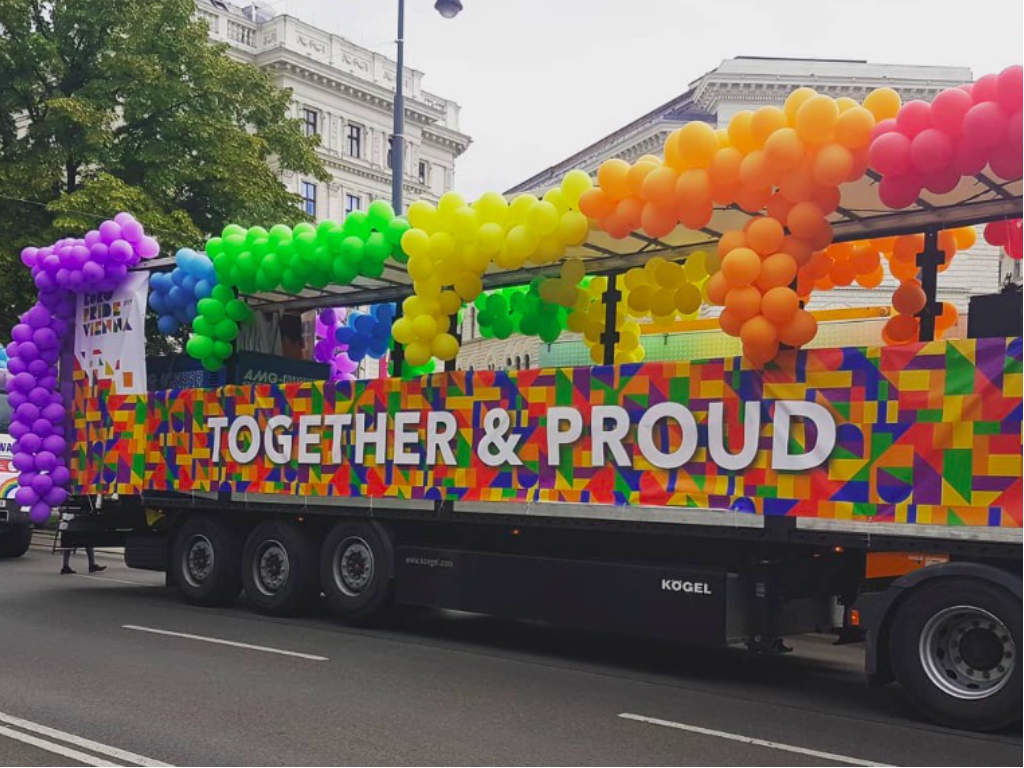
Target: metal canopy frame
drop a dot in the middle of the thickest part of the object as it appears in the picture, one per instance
(860, 215)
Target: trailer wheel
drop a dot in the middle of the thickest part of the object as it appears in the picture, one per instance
(955, 646)
(14, 542)
(279, 568)
(356, 564)
(204, 561)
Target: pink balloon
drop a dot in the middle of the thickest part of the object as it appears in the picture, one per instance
(984, 125)
(1015, 129)
(914, 117)
(889, 154)
(1006, 161)
(899, 191)
(883, 126)
(985, 89)
(969, 159)
(949, 108)
(1010, 88)
(931, 150)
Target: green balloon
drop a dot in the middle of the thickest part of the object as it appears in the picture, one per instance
(225, 330)
(233, 229)
(199, 346)
(222, 264)
(271, 264)
(260, 247)
(304, 241)
(255, 233)
(248, 263)
(322, 260)
(265, 282)
(334, 240)
(202, 326)
(357, 224)
(234, 243)
(280, 233)
(222, 293)
(236, 310)
(214, 247)
(395, 229)
(399, 255)
(550, 329)
(377, 247)
(344, 272)
(379, 214)
(302, 227)
(211, 309)
(324, 228)
(503, 328)
(221, 350)
(292, 282)
(529, 324)
(372, 267)
(212, 364)
(286, 253)
(352, 249)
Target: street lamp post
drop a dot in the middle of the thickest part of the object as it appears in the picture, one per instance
(448, 9)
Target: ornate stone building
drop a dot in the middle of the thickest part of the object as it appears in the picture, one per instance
(748, 82)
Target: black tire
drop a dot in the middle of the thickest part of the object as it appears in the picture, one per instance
(356, 571)
(933, 618)
(15, 540)
(279, 568)
(205, 561)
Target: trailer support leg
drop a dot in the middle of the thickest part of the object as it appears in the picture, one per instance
(928, 260)
(610, 337)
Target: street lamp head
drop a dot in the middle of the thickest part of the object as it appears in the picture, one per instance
(448, 8)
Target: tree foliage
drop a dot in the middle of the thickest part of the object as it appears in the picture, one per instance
(109, 105)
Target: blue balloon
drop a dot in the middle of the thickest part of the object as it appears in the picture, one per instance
(378, 348)
(167, 324)
(191, 312)
(158, 303)
(364, 325)
(177, 297)
(189, 284)
(203, 289)
(356, 350)
(178, 275)
(344, 335)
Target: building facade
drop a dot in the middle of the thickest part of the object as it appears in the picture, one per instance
(749, 83)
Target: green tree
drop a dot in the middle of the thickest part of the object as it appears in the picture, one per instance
(109, 105)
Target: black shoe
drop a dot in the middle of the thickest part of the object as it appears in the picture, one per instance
(93, 568)
(66, 569)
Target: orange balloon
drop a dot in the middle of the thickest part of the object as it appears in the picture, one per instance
(871, 279)
(948, 318)
(965, 237)
(777, 206)
(832, 164)
(884, 244)
(740, 135)
(796, 185)
(743, 302)
(616, 226)
(800, 329)
(804, 287)
(844, 103)
(819, 265)
(672, 157)
(596, 204)
(765, 122)
(754, 170)
(717, 287)
(730, 323)
(909, 298)
(779, 305)
(854, 126)
(751, 199)
(734, 238)
(696, 217)
(637, 173)
(656, 220)
(902, 270)
(800, 250)
(660, 186)
(865, 259)
(757, 356)
(696, 143)
(741, 266)
(611, 175)
(816, 119)
(783, 150)
(907, 247)
(860, 164)
(842, 272)
(840, 251)
(947, 244)
(693, 189)
(629, 211)
(821, 238)
(765, 235)
(900, 329)
(795, 100)
(760, 339)
(805, 220)
(883, 103)
(824, 284)
(826, 198)
(779, 269)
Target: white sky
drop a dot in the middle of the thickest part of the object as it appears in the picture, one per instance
(540, 79)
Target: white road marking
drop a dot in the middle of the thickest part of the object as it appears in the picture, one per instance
(111, 578)
(219, 641)
(749, 740)
(70, 738)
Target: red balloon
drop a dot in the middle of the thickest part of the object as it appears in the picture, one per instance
(970, 158)
(1015, 245)
(985, 89)
(949, 108)
(883, 126)
(996, 233)
(890, 154)
(1010, 88)
(942, 181)
(1015, 129)
(966, 88)
(914, 117)
(984, 125)
(931, 150)
(899, 191)
(1006, 161)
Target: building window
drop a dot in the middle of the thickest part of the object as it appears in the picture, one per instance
(309, 119)
(355, 140)
(518, 363)
(422, 173)
(391, 149)
(352, 203)
(309, 198)
(526, 362)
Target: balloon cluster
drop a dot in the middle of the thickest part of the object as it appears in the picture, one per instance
(754, 287)
(527, 309)
(173, 295)
(664, 289)
(215, 327)
(963, 130)
(589, 317)
(367, 334)
(1007, 235)
(451, 246)
(327, 348)
(97, 262)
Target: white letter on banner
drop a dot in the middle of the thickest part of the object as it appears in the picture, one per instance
(378, 437)
(716, 436)
(234, 449)
(277, 446)
(308, 439)
(337, 422)
(557, 437)
(825, 424)
(645, 435)
(404, 437)
(441, 429)
(217, 423)
(601, 438)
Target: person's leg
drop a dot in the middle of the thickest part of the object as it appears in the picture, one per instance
(66, 562)
(91, 554)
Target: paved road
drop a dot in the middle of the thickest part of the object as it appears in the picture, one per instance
(436, 689)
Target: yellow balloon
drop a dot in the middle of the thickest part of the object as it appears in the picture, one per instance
(467, 285)
(592, 330)
(566, 294)
(845, 102)
(450, 202)
(635, 277)
(450, 303)
(412, 306)
(669, 274)
(695, 267)
(473, 259)
(422, 215)
(492, 207)
(639, 298)
(883, 103)
(416, 242)
(442, 245)
(465, 222)
(489, 238)
(420, 267)
(572, 228)
(417, 353)
(402, 331)
(520, 208)
(687, 298)
(444, 346)
(663, 303)
(424, 326)
(542, 218)
(795, 100)
(816, 119)
(652, 266)
(712, 262)
(556, 197)
(574, 184)
(573, 271)
(597, 354)
(696, 142)
(628, 340)
(430, 288)
(520, 243)
(575, 322)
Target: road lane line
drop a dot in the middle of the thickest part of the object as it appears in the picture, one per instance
(749, 740)
(111, 578)
(49, 746)
(79, 741)
(219, 641)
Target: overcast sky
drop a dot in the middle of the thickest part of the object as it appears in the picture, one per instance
(540, 79)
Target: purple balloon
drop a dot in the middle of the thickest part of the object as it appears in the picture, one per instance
(121, 251)
(61, 474)
(26, 412)
(24, 382)
(22, 332)
(55, 444)
(38, 368)
(18, 429)
(67, 258)
(42, 428)
(16, 365)
(29, 256)
(48, 382)
(56, 496)
(29, 443)
(148, 248)
(37, 316)
(110, 231)
(123, 218)
(39, 512)
(132, 231)
(75, 278)
(51, 263)
(46, 461)
(26, 496)
(14, 399)
(93, 272)
(44, 281)
(42, 483)
(54, 413)
(44, 338)
(79, 255)
(48, 357)
(91, 238)
(23, 462)
(99, 252)
(39, 396)
(28, 351)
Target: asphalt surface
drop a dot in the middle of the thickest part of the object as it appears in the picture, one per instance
(437, 688)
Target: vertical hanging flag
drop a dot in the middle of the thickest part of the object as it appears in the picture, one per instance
(110, 336)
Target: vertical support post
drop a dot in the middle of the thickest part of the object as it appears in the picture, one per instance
(449, 365)
(610, 337)
(928, 260)
(397, 350)
(398, 140)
